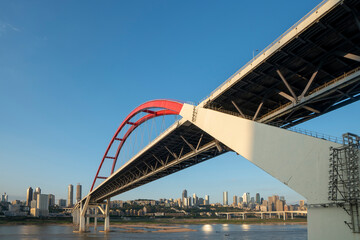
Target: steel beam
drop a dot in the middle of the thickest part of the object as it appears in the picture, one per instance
(286, 84)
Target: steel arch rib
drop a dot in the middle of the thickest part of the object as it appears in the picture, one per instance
(168, 107)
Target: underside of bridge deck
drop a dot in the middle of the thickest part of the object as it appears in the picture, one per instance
(323, 52)
(186, 146)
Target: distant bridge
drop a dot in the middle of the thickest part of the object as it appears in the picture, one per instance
(283, 214)
(310, 70)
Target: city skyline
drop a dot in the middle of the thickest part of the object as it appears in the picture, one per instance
(229, 198)
(64, 92)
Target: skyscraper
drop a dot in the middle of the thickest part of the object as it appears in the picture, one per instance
(195, 200)
(225, 198)
(246, 198)
(258, 198)
(235, 203)
(184, 195)
(4, 198)
(51, 200)
(70, 195)
(29, 196)
(36, 192)
(78, 192)
(62, 203)
(207, 200)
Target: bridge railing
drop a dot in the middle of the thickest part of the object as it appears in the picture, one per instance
(312, 133)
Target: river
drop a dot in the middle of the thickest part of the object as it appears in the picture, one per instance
(207, 231)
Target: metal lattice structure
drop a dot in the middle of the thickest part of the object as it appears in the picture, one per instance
(344, 179)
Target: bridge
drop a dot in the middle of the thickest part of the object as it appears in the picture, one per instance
(263, 215)
(310, 70)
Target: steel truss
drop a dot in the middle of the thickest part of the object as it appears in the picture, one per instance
(344, 179)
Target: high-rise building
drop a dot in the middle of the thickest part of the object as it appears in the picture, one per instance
(279, 205)
(4, 198)
(42, 204)
(207, 200)
(235, 198)
(70, 195)
(78, 192)
(246, 198)
(258, 198)
(36, 192)
(272, 202)
(62, 203)
(195, 200)
(225, 198)
(51, 200)
(29, 196)
(184, 195)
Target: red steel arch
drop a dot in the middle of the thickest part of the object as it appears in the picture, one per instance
(163, 107)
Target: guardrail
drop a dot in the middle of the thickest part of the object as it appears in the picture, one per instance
(293, 129)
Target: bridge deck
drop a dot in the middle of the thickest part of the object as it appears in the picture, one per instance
(181, 146)
(322, 47)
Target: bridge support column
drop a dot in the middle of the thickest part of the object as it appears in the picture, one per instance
(87, 226)
(292, 215)
(284, 215)
(95, 219)
(261, 216)
(81, 219)
(107, 216)
(299, 161)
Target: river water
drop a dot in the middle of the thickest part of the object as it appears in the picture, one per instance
(207, 231)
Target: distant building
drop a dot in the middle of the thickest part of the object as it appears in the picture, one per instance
(225, 198)
(4, 198)
(62, 203)
(272, 202)
(70, 195)
(78, 192)
(235, 202)
(280, 205)
(257, 196)
(43, 204)
(195, 200)
(37, 191)
(51, 200)
(189, 202)
(184, 196)
(40, 207)
(29, 196)
(246, 198)
(207, 200)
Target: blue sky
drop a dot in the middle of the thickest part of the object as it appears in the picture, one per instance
(70, 71)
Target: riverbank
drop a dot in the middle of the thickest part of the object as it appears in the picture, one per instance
(153, 221)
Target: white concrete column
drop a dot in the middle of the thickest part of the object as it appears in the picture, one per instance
(284, 215)
(81, 219)
(292, 215)
(107, 216)
(95, 219)
(87, 220)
